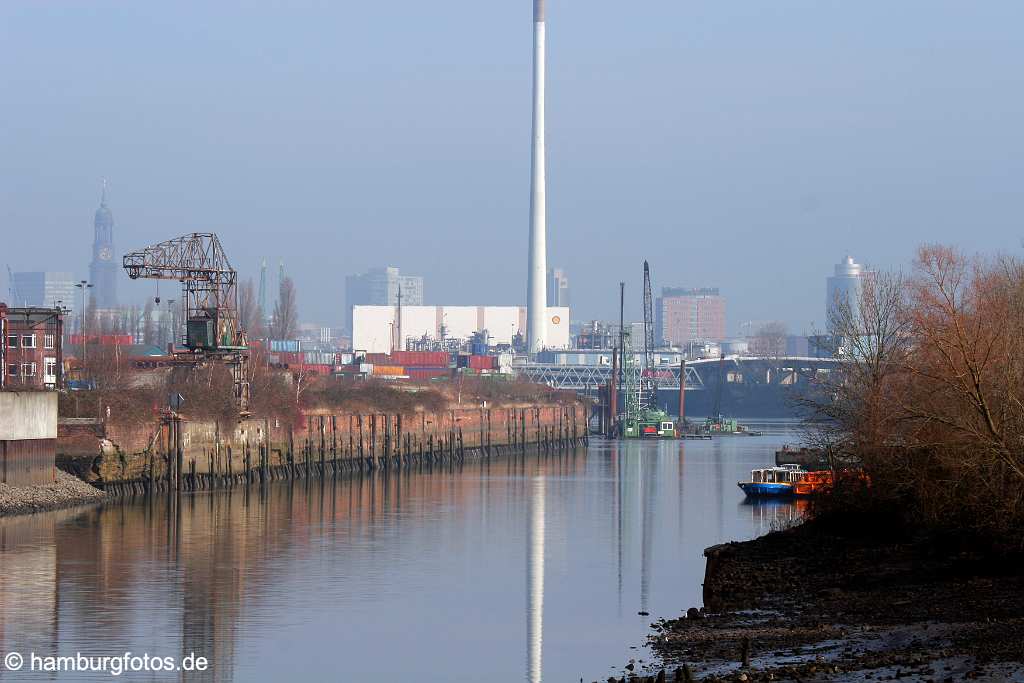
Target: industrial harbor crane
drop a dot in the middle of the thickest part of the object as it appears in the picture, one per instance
(648, 322)
(209, 288)
(642, 417)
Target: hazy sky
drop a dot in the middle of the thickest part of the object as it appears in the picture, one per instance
(745, 145)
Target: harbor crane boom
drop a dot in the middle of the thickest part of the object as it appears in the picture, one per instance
(209, 296)
(648, 321)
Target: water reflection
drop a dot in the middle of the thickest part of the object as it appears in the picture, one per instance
(535, 580)
(387, 576)
(774, 514)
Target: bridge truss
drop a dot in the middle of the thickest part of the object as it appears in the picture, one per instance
(588, 378)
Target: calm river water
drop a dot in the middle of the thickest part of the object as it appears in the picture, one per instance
(523, 568)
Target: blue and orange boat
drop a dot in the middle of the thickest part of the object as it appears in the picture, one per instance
(784, 481)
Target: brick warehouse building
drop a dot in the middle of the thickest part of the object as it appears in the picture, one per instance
(31, 348)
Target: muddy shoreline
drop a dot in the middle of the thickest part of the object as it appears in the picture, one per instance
(66, 491)
(807, 604)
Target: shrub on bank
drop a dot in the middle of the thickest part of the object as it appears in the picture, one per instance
(931, 397)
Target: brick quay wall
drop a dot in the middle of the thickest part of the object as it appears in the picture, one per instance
(174, 452)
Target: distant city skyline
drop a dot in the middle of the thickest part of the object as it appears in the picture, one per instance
(558, 287)
(789, 133)
(44, 288)
(381, 286)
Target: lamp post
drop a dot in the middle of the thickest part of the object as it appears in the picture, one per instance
(64, 310)
(83, 285)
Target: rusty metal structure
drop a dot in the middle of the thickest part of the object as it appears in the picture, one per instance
(209, 287)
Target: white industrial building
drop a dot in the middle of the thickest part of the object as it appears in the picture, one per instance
(373, 327)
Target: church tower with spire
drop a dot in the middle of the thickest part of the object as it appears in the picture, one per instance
(104, 267)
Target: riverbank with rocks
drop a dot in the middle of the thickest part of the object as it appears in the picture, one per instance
(65, 491)
(809, 605)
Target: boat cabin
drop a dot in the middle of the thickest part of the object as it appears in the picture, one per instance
(787, 474)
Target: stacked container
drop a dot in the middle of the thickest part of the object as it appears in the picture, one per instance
(483, 362)
(285, 345)
(317, 358)
(427, 374)
(291, 357)
(421, 359)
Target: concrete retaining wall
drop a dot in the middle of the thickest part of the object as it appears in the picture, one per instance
(28, 415)
(28, 437)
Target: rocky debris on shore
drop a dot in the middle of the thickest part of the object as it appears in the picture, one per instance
(804, 605)
(65, 491)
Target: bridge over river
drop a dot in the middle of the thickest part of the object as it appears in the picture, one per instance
(745, 386)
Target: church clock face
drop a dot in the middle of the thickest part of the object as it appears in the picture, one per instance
(105, 254)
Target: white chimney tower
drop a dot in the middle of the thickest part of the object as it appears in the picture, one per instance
(536, 290)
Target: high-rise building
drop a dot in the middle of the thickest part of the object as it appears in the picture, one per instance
(44, 289)
(104, 268)
(558, 287)
(689, 315)
(844, 288)
(379, 287)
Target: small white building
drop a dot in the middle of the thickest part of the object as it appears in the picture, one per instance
(373, 327)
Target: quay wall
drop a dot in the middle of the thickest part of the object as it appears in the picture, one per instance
(175, 452)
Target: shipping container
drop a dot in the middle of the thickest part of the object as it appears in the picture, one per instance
(423, 374)
(291, 357)
(388, 371)
(421, 359)
(317, 358)
(375, 358)
(285, 345)
(343, 358)
(483, 362)
(103, 339)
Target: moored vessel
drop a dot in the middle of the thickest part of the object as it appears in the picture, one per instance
(784, 481)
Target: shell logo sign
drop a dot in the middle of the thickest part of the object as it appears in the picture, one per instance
(556, 319)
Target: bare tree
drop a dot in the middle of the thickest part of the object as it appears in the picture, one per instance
(286, 313)
(249, 314)
(929, 396)
(967, 373)
(133, 322)
(148, 326)
(869, 332)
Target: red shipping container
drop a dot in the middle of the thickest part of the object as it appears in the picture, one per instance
(421, 359)
(483, 362)
(103, 339)
(423, 374)
(378, 359)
